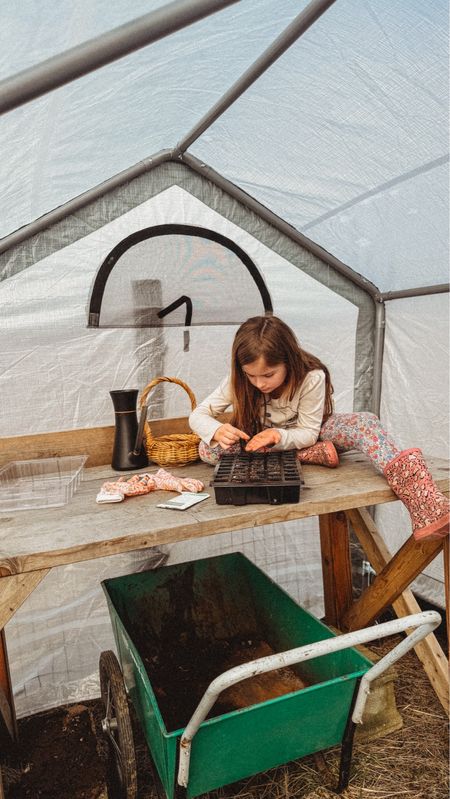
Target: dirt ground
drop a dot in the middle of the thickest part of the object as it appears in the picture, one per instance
(62, 755)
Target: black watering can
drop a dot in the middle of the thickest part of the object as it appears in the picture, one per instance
(128, 450)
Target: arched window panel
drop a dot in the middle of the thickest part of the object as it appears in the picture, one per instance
(177, 276)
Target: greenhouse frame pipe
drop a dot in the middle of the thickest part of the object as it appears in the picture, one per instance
(294, 30)
(70, 207)
(169, 155)
(45, 221)
(89, 56)
(419, 291)
(279, 223)
(380, 326)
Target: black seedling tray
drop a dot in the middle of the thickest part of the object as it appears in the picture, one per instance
(254, 477)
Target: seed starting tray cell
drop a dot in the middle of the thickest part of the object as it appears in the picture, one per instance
(253, 477)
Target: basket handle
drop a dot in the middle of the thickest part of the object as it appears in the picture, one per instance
(176, 380)
(143, 402)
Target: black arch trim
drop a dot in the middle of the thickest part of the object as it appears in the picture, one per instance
(110, 261)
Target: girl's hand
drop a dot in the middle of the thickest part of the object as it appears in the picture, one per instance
(266, 438)
(226, 435)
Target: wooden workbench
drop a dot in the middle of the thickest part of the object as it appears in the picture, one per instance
(33, 542)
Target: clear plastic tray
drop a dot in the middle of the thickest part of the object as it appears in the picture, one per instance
(40, 483)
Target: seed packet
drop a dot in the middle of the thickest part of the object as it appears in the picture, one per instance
(185, 500)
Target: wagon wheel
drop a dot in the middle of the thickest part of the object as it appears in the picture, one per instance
(122, 772)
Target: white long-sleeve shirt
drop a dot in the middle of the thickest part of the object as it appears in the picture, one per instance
(297, 420)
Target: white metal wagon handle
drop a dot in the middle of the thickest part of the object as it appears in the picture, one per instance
(423, 624)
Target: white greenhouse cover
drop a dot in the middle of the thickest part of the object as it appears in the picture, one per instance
(345, 137)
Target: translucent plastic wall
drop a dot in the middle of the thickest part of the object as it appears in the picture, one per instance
(416, 406)
(345, 136)
(56, 374)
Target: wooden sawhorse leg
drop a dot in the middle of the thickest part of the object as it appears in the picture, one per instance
(428, 650)
(390, 582)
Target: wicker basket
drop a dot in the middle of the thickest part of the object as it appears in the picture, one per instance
(177, 449)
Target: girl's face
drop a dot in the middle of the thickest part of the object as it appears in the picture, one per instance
(268, 379)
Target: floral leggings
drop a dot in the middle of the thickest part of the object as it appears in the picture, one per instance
(362, 431)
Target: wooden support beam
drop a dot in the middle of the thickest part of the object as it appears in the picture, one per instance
(428, 650)
(95, 442)
(15, 588)
(396, 575)
(336, 566)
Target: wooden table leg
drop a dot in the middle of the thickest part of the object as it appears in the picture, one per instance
(14, 589)
(336, 566)
(7, 714)
(447, 588)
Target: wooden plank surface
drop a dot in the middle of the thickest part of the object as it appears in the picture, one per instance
(43, 538)
(428, 650)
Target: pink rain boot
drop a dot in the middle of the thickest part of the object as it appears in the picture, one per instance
(321, 454)
(409, 478)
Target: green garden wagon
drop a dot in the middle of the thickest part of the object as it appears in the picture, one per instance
(177, 630)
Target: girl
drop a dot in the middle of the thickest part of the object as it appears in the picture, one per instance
(281, 397)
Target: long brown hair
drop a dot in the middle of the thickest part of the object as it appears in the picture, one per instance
(269, 337)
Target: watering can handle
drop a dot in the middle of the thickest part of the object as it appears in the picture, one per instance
(140, 431)
(422, 623)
